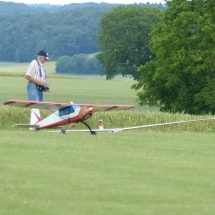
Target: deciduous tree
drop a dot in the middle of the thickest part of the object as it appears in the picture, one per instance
(182, 77)
(124, 37)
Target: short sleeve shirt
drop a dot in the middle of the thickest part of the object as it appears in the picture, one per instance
(33, 71)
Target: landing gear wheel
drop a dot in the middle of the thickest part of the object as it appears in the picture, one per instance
(93, 132)
(63, 132)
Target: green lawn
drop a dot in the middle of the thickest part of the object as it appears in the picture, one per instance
(111, 173)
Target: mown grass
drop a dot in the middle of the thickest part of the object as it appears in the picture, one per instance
(150, 173)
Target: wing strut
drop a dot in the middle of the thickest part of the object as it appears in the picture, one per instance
(63, 131)
(54, 112)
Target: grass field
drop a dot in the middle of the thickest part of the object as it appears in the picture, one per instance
(111, 173)
(162, 171)
(13, 67)
(72, 89)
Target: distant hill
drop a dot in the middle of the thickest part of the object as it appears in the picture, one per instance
(61, 30)
(7, 8)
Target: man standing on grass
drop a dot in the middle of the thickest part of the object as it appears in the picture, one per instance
(36, 76)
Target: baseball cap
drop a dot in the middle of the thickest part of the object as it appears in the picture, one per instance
(43, 53)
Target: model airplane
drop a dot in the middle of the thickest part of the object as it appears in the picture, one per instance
(65, 113)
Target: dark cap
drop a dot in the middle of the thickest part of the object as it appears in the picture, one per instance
(45, 54)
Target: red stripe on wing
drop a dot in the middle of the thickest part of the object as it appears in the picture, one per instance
(57, 106)
(40, 105)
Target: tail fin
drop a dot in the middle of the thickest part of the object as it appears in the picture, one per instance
(35, 118)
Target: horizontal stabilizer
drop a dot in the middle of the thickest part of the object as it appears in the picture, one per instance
(26, 126)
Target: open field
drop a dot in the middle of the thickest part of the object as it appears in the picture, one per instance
(78, 90)
(13, 67)
(168, 170)
(19, 69)
(126, 173)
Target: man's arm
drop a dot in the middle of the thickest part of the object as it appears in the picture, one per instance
(31, 79)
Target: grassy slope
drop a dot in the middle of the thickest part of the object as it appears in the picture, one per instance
(118, 173)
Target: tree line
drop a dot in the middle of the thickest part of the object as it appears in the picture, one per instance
(79, 64)
(7, 8)
(71, 30)
(59, 33)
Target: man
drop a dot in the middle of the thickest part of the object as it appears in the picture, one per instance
(36, 76)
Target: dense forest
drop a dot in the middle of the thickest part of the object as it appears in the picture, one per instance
(12, 8)
(7, 8)
(61, 30)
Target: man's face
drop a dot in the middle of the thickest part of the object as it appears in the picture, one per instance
(42, 59)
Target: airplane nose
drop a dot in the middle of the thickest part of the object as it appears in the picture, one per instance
(89, 114)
